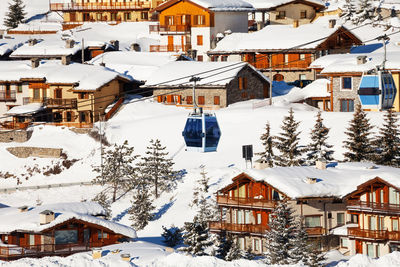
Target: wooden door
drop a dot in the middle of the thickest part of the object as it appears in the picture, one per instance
(170, 47)
(8, 91)
(266, 91)
(57, 93)
(216, 100)
(72, 16)
(359, 246)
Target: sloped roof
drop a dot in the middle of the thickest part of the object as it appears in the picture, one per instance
(214, 5)
(271, 4)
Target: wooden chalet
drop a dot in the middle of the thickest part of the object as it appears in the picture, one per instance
(39, 232)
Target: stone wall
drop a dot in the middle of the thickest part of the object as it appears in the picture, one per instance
(40, 152)
(339, 94)
(291, 76)
(20, 136)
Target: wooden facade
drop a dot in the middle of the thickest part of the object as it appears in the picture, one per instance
(62, 239)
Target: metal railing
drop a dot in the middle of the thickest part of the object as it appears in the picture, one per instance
(7, 95)
(98, 6)
(372, 206)
(246, 202)
(233, 227)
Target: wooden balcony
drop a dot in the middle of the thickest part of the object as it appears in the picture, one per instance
(264, 65)
(7, 95)
(169, 28)
(14, 252)
(238, 228)
(114, 6)
(169, 48)
(11, 125)
(245, 202)
(368, 234)
(29, 100)
(315, 231)
(67, 103)
(358, 205)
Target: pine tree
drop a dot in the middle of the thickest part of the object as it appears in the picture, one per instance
(301, 248)
(157, 168)
(280, 236)
(227, 249)
(358, 143)
(387, 143)
(102, 199)
(349, 9)
(142, 207)
(196, 238)
(15, 14)
(365, 11)
(172, 236)
(234, 253)
(117, 169)
(319, 148)
(267, 155)
(315, 257)
(288, 143)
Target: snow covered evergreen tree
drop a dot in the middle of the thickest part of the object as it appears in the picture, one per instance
(319, 148)
(227, 249)
(387, 143)
(349, 9)
(142, 206)
(102, 199)
(196, 238)
(315, 257)
(300, 243)
(117, 169)
(365, 11)
(15, 14)
(267, 156)
(288, 143)
(358, 142)
(172, 236)
(280, 236)
(157, 168)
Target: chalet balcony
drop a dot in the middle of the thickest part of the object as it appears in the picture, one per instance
(68, 103)
(264, 65)
(245, 202)
(358, 205)
(315, 231)
(11, 125)
(7, 95)
(239, 228)
(114, 6)
(169, 48)
(169, 28)
(29, 100)
(14, 252)
(368, 234)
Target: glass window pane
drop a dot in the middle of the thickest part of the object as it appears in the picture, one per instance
(193, 132)
(313, 221)
(340, 218)
(66, 236)
(346, 83)
(351, 105)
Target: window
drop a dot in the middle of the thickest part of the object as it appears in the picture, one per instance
(83, 96)
(199, 20)
(259, 220)
(346, 83)
(256, 246)
(344, 242)
(214, 58)
(31, 240)
(313, 221)
(353, 218)
(44, 93)
(377, 251)
(303, 14)
(393, 196)
(98, 16)
(101, 235)
(189, 99)
(370, 250)
(395, 225)
(302, 77)
(199, 58)
(169, 20)
(216, 100)
(66, 236)
(201, 100)
(19, 88)
(58, 93)
(302, 56)
(347, 105)
(281, 15)
(286, 58)
(199, 39)
(372, 223)
(340, 218)
(145, 15)
(224, 58)
(127, 16)
(68, 116)
(241, 243)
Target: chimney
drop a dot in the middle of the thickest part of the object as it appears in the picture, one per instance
(295, 23)
(103, 64)
(32, 42)
(35, 63)
(46, 217)
(332, 23)
(135, 47)
(320, 164)
(115, 43)
(66, 60)
(23, 208)
(361, 60)
(69, 43)
(311, 180)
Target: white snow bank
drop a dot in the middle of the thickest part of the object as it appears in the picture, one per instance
(359, 260)
(317, 88)
(25, 109)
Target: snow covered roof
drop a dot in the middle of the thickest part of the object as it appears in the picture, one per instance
(335, 181)
(9, 45)
(25, 109)
(86, 77)
(317, 88)
(215, 5)
(138, 65)
(11, 219)
(49, 48)
(212, 73)
(268, 4)
(274, 37)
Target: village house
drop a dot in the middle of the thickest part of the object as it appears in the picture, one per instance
(220, 84)
(345, 77)
(289, 53)
(195, 26)
(57, 230)
(59, 92)
(316, 195)
(77, 12)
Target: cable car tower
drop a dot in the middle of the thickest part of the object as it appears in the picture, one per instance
(201, 132)
(377, 90)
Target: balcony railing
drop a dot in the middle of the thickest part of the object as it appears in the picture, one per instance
(169, 28)
(99, 6)
(315, 231)
(246, 202)
(169, 48)
(368, 234)
(29, 100)
(281, 66)
(61, 103)
(242, 228)
(11, 252)
(10, 125)
(372, 206)
(7, 95)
